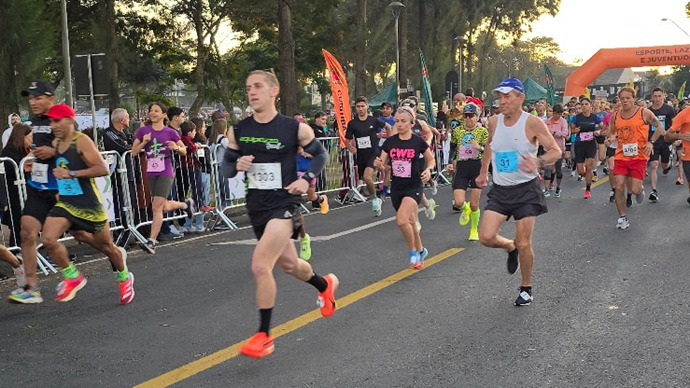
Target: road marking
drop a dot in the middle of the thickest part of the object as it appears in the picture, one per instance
(253, 241)
(219, 357)
(598, 183)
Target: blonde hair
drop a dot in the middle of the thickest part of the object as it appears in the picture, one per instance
(269, 77)
(629, 90)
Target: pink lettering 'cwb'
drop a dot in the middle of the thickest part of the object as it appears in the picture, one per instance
(402, 153)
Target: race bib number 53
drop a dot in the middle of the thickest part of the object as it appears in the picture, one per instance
(265, 176)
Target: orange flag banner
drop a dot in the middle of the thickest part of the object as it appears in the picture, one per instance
(341, 98)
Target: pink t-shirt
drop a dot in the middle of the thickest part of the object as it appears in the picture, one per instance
(559, 130)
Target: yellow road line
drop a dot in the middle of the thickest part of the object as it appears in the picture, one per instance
(598, 183)
(204, 363)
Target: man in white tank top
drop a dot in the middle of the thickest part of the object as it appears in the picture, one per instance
(514, 137)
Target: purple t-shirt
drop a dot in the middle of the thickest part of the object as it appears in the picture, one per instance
(158, 155)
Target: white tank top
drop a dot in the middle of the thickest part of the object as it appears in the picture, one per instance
(509, 147)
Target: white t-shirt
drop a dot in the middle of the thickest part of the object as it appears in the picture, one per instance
(6, 136)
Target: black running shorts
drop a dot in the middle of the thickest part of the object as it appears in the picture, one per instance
(585, 150)
(465, 174)
(76, 222)
(519, 201)
(39, 202)
(260, 219)
(398, 195)
(661, 151)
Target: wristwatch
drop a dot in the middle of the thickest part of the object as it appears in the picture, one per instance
(309, 176)
(72, 173)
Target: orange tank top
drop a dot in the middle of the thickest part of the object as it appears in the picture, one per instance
(632, 136)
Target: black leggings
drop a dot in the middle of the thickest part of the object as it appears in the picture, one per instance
(549, 169)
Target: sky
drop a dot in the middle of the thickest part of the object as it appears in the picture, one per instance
(582, 27)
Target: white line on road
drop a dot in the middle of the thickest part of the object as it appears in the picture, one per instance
(253, 241)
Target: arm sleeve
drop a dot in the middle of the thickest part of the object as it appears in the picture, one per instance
(228, 166)
(319, 156)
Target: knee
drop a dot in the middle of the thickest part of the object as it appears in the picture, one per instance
(486, 239)
(260, 269)
(523, 245)
(49, 242)
(403, 220)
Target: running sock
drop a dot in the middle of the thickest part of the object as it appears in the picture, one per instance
(588, 187)
(70, 272)
(465, 206)
(317, 202)
(319, 282)
(527, 289)
(122, 275)
(265, 320)
(474, 219)
(629, 196)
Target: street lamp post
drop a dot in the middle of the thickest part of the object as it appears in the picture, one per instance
(65, 56)
(397, 7)
(676, 24)
(461, 44)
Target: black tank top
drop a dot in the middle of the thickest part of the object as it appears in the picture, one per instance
(79, 196)
(274, 147)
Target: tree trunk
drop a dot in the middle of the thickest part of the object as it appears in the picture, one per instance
(111, 48)
(422, 25)
(199, 71)
(361, 49)
(403, 47)
(8, 93)
(289, 102)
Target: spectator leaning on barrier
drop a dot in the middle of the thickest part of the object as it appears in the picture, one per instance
(176, 116)
(12, 120)
(116, 139)
(17, 148)
(205, 160)
(219, 143)
(191, 174)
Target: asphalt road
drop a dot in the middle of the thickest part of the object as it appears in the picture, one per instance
(610, 309)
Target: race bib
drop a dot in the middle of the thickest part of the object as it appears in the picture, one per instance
(507, 161)
(363, 142)
(586, 136)
(467, 152)
(630, 149)
(402, 168)
(39, 173)
(69, 187)
(265, 176)
(156, 164)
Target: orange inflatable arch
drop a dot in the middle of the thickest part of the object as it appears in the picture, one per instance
(605, 59)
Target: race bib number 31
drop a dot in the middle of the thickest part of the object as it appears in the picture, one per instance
(265, 176)
(630, 149)
(507, 161)
(402, 168)
(68, 187)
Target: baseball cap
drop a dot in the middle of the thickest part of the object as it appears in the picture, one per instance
(60, 111)
(39, 88)
(388, 104)
(509, 84)
(495, 104)
(470, 108)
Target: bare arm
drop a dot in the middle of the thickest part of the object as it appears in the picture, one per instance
(483, 178)
(651, 119)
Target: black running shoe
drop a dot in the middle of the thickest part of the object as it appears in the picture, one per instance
(688, 200)
(666, 170)
(512, 263)
(654, 197)
(628, 202)
(525, 297)
(190, 210)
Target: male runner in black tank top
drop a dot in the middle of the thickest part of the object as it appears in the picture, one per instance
(264, 146)
(79, 206)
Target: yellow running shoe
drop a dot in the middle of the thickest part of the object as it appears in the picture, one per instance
(474, 235)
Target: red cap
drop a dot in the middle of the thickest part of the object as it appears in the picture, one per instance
(60, 111)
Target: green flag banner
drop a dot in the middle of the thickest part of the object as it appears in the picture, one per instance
(681, 91)
(551, 96)
(426, 89)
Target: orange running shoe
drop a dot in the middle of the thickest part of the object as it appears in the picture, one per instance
(326, 299)
(324, 204)
(127, 289)
(260, 345)
(67, 288)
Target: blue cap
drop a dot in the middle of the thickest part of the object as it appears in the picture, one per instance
(470, 108)
(509, 84)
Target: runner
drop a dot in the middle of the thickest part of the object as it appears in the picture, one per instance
(466, 164)
(264, 146)
(411, 164)
(680, 131)
(386, 117)
(662, 149)
(513, 139)
(361, 131)
(317, 201)
(559, 130)
(41, 188)
(610, 146)
(586, 125)
(77, 163)
(160, 142)
(631, 125)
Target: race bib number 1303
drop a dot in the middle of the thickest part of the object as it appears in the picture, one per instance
(265, 176)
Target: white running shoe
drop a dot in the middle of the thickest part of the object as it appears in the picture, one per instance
(623, 223)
